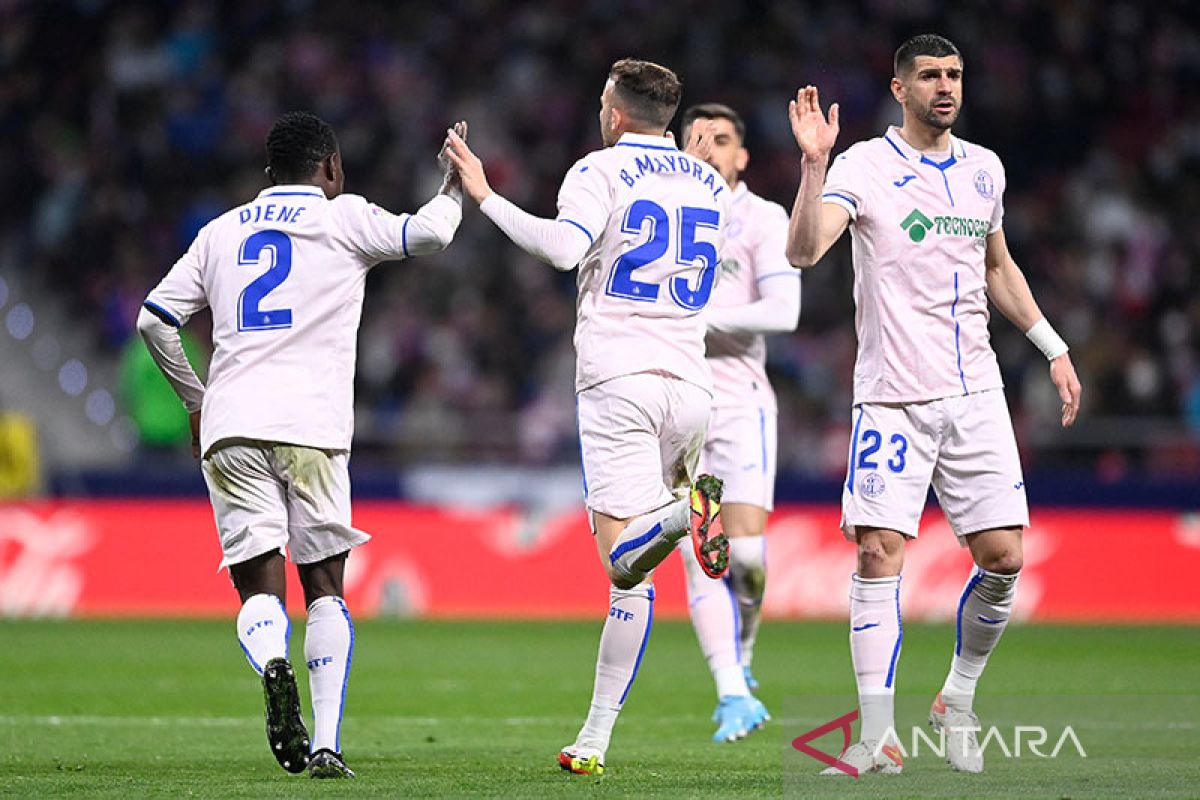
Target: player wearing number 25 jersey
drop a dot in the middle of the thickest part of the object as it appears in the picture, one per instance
(284, 276)
(644, 223)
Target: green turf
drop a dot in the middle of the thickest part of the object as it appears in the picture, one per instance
(136, 709)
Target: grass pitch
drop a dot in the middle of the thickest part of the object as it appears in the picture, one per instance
(160, 708)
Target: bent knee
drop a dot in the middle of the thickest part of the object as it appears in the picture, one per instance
(874, 561)
(1004, 562)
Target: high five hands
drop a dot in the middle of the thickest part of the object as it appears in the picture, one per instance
(451, 180)
(467, 164)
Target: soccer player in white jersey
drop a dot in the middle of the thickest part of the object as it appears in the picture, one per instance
(757, 293)
(644, 223)
(925, 210)
(283, 275)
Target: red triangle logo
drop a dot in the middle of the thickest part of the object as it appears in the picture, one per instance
(844, 723)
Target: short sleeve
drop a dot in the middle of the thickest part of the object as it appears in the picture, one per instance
(997, 221)
(180, 293)
(844, 185)
(585, 199)
(373, 232)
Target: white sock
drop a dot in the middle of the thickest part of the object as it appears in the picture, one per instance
(715, 618)
(875, 636)
(748, 576)
(650, 538)
(263, 630)
(328, 649)
(983, 613)
(626, 631)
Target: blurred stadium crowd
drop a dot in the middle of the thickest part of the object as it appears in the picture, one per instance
(128, 125)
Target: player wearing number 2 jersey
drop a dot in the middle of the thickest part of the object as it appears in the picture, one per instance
(283, 275)
(645, 224)
(926, 212)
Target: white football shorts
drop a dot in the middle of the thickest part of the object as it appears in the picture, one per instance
(640, 437)
(963, 446)
(740, 450)
(268, 496)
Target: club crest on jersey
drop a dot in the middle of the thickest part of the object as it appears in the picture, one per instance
(871, 484)
(984, 184)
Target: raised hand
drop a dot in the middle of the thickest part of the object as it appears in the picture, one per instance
(813, 133)
(467, 164)
(450, 176)
(699, 143)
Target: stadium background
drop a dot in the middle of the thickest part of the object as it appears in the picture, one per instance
(127, 125)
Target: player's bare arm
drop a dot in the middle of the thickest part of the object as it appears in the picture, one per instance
(814, 226)
(1009, 291)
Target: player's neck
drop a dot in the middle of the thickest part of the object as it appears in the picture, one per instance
(925, 138)
(640, 131)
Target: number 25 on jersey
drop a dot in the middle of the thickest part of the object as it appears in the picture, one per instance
(691, 220)
(279, 247)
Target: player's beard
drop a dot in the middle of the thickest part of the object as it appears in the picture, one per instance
(933, 119)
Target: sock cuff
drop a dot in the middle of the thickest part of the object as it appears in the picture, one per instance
(748, 551)
(878, 590)
(643, 590)
(331, 601)
(262, 605)
(998, 577)
(994, 587)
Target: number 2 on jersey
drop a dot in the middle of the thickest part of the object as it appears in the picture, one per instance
(250, 316)
(621, 282)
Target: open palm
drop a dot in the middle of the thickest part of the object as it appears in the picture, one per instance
(813, 132)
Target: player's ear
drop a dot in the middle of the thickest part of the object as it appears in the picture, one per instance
(898, 90)
(743, 158)
(617, 120)
(270, 175)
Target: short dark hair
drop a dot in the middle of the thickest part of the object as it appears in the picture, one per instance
(646, 91)
(715, 111)
(925, 44)
(297, 144)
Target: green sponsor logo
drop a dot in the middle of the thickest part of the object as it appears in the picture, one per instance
(918, 226)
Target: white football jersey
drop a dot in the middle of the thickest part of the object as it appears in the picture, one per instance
(919, 231)
(755, 246)
(656, 218)
(284, 275)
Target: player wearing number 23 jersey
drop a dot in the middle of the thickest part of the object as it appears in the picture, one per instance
(926, 213)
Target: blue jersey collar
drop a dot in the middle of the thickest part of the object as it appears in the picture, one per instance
(292, 190)
(646, 141)
(908, 152)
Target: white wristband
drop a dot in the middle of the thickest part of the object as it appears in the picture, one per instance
(1043, 335)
